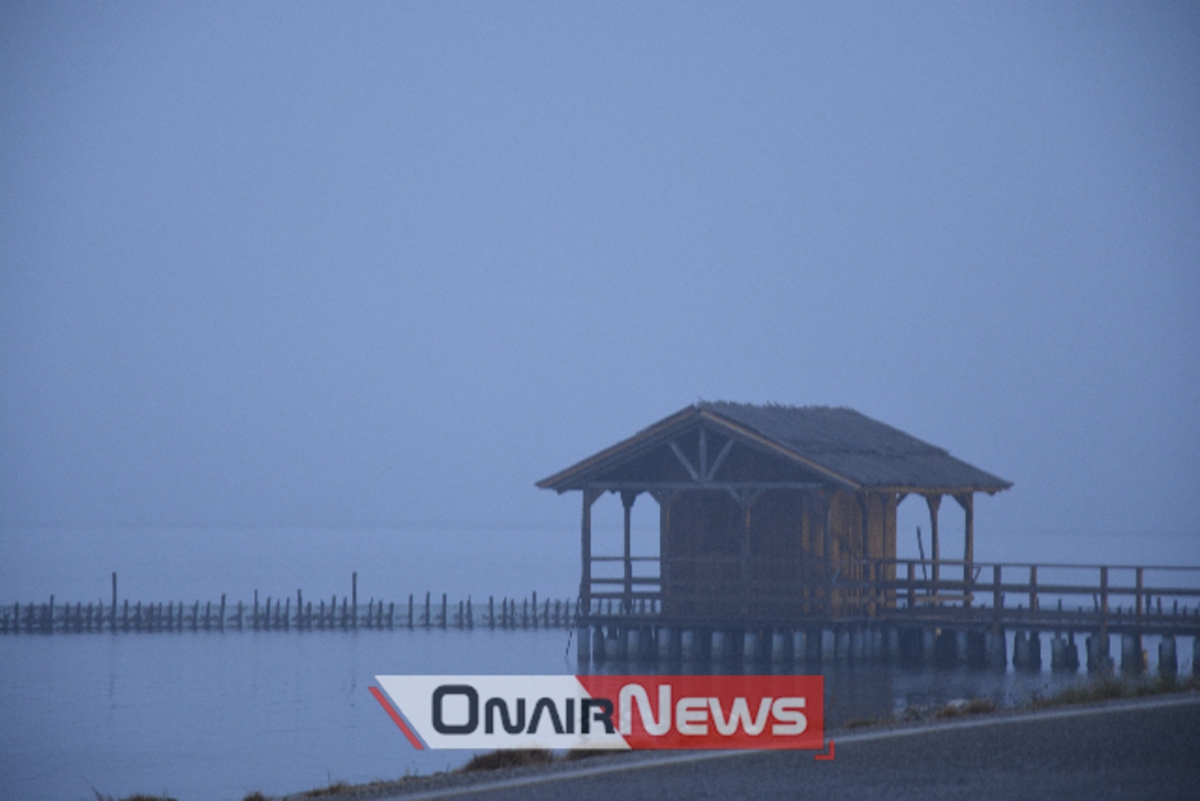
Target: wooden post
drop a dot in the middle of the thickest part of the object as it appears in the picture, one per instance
(491, 612)
(535, 620)
(1033, 595)
(863, 572)
(114, 603)
(826, 512)
(354, 596)
(1104, 606)
(410, 610)
(585, 547)
(627, 500)
(934, 501)
(1139, 591)
(428, 612)
(967, 502)
(221, 621)
(997, 594)
(744, 570)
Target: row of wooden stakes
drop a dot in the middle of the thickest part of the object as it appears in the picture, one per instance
(279, 614)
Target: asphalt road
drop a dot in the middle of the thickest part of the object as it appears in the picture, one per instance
(1148, 750)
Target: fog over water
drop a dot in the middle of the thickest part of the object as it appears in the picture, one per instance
(329, 266)
(292, 291)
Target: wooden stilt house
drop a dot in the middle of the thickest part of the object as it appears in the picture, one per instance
(769, 512)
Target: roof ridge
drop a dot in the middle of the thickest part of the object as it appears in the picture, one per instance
(838, 440)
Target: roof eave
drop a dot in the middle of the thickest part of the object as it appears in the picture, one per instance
(990, 489)
(647, 437)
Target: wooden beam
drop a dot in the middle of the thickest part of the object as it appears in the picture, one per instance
(734, 486)
(716, 465)
(683, 460)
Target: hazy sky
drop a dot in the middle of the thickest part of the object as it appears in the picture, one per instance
(390, 264)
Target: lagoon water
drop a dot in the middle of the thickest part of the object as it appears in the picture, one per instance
(210, 715)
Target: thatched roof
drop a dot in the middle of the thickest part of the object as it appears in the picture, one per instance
(804, 446)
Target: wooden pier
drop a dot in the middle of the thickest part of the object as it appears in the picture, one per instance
(281, 614)
(894, 611)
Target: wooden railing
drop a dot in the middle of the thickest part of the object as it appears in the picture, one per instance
(732, 586)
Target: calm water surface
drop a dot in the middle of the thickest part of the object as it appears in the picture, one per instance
(217, 715)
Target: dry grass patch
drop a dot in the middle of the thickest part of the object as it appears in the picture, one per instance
(499, 760)
(1110, 686)
(337, 788)
(966, 706)
(585, 753)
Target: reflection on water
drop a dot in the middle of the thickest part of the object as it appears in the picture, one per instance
(856, 692)
(213, 716)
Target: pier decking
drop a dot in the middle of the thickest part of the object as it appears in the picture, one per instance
(894, 610)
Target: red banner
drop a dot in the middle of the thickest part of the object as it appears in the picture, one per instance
(715, 711)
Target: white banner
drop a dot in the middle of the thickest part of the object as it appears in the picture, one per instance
(493, 712)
